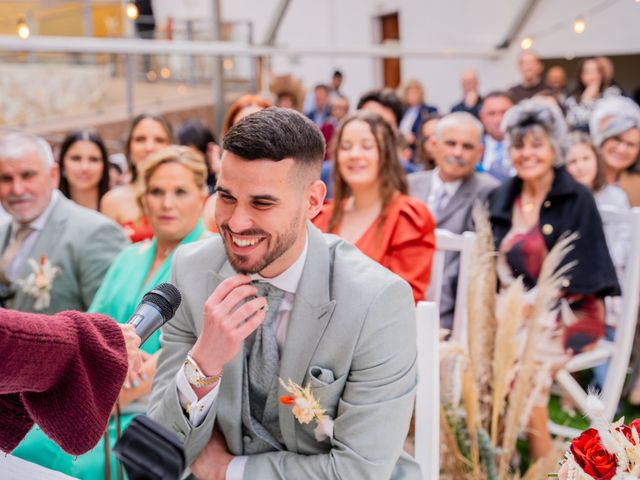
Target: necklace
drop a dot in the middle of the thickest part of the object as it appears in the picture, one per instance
(527, 207)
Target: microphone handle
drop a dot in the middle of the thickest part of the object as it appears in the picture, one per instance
(146, 319)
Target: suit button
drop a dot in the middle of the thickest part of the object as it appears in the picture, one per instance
(246, 439)
(547, 229)
(547, 204)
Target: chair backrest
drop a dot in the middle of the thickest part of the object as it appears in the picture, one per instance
(427, 426)
(625, 330)
(447, 241)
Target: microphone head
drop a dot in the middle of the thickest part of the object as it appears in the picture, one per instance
(166, 297)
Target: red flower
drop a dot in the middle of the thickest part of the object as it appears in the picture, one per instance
(626, 431)
(592, 457)
(287, 399)
(43, 259)
(635, 424)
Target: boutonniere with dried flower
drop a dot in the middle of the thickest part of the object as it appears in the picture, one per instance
(306, 408)
(40, 282)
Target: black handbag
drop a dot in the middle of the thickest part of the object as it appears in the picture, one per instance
(149, 451)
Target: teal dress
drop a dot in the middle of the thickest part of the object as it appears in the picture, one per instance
(119, 294)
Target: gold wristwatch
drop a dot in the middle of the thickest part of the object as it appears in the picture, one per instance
(196, 377)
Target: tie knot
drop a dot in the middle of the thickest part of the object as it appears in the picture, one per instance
(23, 232)
(270, 291)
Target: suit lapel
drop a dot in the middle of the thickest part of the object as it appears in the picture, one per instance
(312, 310)
(48, 240)
(458, 199)
(5, 229)
(229, 404)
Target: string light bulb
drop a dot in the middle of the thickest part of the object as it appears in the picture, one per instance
(131, 10)
(579, 25)
(526, 43)
(22, 28)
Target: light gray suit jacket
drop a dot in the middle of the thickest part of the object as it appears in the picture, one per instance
(82, 243)
(352, 324)
(456, 217)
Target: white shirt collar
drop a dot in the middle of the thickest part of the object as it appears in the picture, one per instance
(450, 187)
(290, 278)
(39, 223)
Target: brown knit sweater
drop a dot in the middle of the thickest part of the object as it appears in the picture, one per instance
(63, 372)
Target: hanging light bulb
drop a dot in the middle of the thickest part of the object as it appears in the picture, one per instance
(579, 25)
(22, 28)
(526, 43)
(131, 10)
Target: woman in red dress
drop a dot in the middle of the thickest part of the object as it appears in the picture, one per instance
(371, 208)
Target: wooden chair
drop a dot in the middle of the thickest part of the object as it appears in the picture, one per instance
(618, 351)
(447, 241)
(427, 426)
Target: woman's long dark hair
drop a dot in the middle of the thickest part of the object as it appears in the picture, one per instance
(162, 120)
(581, 87)
(391, 174)
(84, 136)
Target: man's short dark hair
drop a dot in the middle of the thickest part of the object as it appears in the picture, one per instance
(275, 134)
(321, 86)
(498, 94)
(385, 97)
(337, 74)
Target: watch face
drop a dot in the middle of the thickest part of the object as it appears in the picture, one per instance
(191, 373)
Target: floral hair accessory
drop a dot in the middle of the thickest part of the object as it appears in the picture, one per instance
(306, 408)
(40, 282)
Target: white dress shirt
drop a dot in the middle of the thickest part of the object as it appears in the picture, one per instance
(408, 119)
(198, 409)
(490, 147)
(435, 200)
(28, 243)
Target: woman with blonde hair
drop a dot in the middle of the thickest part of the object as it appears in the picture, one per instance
(415, 110)
(371, 207)
(171, 193)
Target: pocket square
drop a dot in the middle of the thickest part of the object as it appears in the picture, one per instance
(323, 375)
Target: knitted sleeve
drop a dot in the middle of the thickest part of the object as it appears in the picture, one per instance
(63, 372)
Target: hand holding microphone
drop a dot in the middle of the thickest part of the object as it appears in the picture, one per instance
(157, 307)
(132, 342)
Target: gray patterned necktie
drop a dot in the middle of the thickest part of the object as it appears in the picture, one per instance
(263, 362)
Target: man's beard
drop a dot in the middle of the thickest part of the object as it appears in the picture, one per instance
(281, 244)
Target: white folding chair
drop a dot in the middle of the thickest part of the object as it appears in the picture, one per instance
(618, 351)
(447, 241)
(427, 426)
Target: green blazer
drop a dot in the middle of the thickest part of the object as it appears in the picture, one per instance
(351, 336)
(82, 243)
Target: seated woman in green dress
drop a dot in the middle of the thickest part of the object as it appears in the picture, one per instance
(172, 194)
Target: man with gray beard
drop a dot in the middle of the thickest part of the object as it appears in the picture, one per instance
(451, 189)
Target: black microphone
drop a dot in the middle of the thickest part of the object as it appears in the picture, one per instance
(157, 307)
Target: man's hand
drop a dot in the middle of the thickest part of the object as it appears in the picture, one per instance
(213, 461)
(226, 325)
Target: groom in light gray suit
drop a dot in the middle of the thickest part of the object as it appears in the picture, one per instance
(452, 188)
(45, 227)
(272, 297)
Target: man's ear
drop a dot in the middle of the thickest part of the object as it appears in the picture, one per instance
(315, 198)
(480, 153)
(433, 142)
(54, 172)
